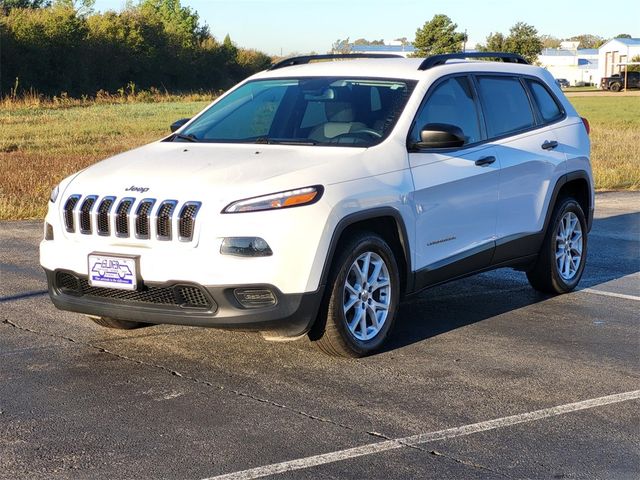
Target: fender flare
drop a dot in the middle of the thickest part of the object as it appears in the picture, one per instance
(353, 218)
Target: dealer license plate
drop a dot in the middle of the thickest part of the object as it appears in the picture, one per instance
(112, 271)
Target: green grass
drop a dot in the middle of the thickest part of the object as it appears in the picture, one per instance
(40, 146)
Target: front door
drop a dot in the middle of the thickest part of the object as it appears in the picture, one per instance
(456, 189)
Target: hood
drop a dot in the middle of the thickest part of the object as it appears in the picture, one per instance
(225, 171)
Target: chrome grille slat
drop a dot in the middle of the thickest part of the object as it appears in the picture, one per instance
(187, 220)
(122, 216)
(69, 206)
(85, 214)
(102, 220)
(109, 216)
(143, 213)
(164, 216)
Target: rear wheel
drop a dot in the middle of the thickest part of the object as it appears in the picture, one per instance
(564, 250)
(361, 308)
(118, 324)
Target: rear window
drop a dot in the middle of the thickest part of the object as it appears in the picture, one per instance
(506, 105)
(548, 107)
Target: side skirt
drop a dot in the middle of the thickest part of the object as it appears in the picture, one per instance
(519, 252)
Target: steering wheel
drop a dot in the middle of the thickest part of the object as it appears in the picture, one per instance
(370, 131)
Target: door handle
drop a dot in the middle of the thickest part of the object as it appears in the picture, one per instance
(549, 145)
(485, 161)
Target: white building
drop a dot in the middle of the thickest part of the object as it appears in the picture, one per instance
(615, 52)
(579, 67)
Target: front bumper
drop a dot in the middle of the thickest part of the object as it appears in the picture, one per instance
(186, 303)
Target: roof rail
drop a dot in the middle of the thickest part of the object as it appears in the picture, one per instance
(435, 60)
(288, 62)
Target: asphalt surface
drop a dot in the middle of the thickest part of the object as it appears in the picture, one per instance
(81, 401)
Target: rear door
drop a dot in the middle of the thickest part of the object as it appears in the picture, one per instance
(456, 189)
(519, 115)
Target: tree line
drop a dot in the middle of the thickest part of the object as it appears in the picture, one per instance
(441, 35)
(63, 46)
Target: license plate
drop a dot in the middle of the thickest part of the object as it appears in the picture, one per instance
(112, 271)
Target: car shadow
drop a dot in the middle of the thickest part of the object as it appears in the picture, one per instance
(614, 244)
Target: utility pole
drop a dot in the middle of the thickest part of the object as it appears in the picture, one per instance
(464, 43)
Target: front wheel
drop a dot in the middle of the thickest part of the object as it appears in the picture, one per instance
(361, 308)
(564, 250)
(615, 87)
(117, 324)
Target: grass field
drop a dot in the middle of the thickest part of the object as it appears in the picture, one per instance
(40, 146)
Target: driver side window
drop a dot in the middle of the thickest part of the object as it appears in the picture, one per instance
(451, 102)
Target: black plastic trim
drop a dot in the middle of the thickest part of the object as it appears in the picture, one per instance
(304, 59)
(455, 266)
(435, 60)
(292, 316)
(354, 218)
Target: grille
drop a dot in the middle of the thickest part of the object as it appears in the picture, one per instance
(187, 220)
(70, 204)
(110, 213)
(85, 214)
(103, 215)
(122, 217)
(142, 218)
(163, 225)
(184, 296)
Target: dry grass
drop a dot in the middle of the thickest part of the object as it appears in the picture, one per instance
(41, 146)
(41, 143)
(615, 140)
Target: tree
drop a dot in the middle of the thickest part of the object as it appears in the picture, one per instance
(341, 46)
(364, 41)
(588, 40)
(549, 41)
(81, 7)
(523, 39)
(634, 68)
(438, 35)
(623, 35)
(7, 5)
(495, 43)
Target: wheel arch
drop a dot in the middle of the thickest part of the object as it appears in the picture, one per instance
(384, 221)
(576, 184)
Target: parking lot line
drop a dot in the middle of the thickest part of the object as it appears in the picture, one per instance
(610, 294)
(415, 440)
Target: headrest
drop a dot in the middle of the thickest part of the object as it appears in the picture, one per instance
(339, 111)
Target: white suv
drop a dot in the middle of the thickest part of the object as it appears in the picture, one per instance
(312, 197)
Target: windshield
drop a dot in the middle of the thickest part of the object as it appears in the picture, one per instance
(310, 111)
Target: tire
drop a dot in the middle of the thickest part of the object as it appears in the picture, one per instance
(552, 274)
(615, 87)
(118, 324)
(332, 332)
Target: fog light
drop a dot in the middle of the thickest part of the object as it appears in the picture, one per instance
(245, 247)
(48, 232)
(255, 297)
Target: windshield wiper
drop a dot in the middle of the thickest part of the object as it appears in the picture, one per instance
(285, 141)
(188, 138)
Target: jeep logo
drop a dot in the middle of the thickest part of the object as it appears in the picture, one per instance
(133, 188)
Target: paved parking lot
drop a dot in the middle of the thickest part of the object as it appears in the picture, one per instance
(484, 378)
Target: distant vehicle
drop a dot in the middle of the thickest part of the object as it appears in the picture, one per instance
(615, 83)
(563, 82)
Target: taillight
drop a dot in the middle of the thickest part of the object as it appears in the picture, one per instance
(586, 125)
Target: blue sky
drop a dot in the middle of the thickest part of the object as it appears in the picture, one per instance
(305, 25)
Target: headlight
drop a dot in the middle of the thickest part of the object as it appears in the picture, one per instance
(54, 194)
(276, 201)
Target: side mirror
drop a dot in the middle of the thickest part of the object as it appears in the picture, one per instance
(440, 135)
(178, 123)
